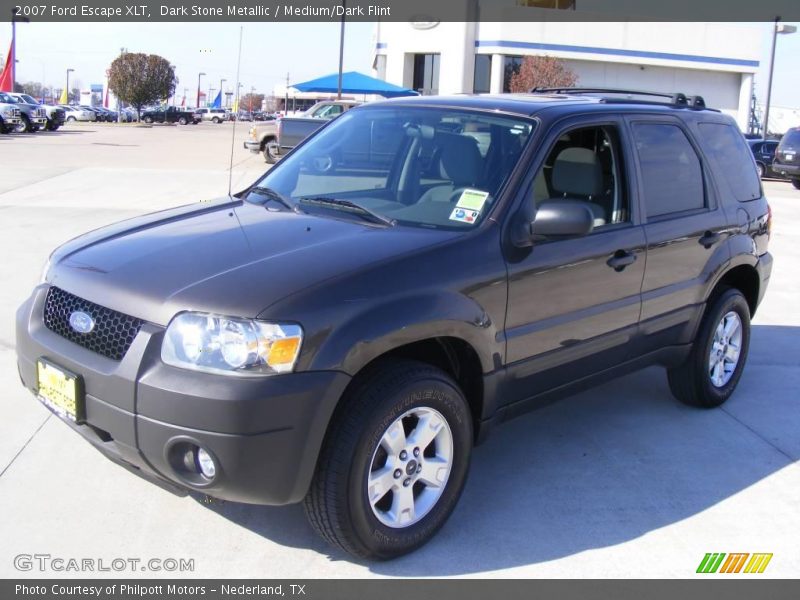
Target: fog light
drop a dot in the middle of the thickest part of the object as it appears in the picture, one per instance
(206, 464)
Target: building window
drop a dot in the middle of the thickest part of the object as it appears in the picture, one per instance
(426, 74)
(511, 66)
(483, 72)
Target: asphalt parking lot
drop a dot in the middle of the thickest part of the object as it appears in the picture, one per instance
(620, 481)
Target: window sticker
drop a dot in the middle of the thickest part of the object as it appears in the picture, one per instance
(472, 200)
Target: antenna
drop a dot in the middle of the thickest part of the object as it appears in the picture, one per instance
(236, 117)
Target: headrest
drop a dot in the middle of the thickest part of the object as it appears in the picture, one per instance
(460, 158)
(577, 172)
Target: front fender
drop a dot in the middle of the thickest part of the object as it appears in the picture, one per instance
(374, 330)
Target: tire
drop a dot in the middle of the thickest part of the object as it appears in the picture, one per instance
(54, 127)
(696, 382)
(762, 171)
(182, 121)
(24, 125)
(386, 397)
(71, 119)
(148, 120)
(269, 157)
(796, 183)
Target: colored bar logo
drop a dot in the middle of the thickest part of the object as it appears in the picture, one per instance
(719, 562)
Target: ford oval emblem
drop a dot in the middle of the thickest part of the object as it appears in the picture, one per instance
(81, 322)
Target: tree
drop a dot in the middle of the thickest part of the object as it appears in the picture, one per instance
(542, 71)
(141, 79)
(32, 88)
(251, 102)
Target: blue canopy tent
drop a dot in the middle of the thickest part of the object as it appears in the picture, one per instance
(354, 82)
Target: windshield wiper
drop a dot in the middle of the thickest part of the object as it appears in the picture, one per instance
(348, 206)
(273, 195)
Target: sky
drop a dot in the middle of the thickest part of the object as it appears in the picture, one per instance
(269, 51)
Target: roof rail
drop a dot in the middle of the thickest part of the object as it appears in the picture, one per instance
(674, 99)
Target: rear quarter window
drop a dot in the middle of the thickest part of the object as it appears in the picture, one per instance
(731, 159)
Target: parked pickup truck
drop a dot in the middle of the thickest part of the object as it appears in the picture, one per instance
(55, 114)
(171, 114)
(9, 115)
(32, 116)
(276, 138)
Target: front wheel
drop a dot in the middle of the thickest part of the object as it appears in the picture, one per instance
(148, 120)
(24, 126)
(796, 183)
(762, 171)
(394, 461)
(182, 121)
(718, 354)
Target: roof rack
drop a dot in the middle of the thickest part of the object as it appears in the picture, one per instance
(676, 99)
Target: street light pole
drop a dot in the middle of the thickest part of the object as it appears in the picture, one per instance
(341, 51)
(199, 75)
(14, 19)
(777, 28)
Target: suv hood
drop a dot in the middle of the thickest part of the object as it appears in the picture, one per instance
(225, 257)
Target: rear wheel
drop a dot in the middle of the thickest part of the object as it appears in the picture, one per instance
(394, 461)
(71, 119)
(148, 120)
(718, 355)
(762, 171)
(182, 121)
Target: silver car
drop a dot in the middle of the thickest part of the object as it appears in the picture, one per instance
(76, 113)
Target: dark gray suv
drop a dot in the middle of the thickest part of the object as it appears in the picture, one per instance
(345, 330)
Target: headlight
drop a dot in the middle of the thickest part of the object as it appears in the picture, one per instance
(231, 346)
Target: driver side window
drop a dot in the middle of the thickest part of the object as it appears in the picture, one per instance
(585, 165)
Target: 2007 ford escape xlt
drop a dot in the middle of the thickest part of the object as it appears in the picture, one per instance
(344, 331)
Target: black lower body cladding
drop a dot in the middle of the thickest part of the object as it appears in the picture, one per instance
(264, 433)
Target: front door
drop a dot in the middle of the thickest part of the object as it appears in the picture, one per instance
(574, 304)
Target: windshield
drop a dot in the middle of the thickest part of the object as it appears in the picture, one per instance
(28, 99)
(417, 166)
(7, 99)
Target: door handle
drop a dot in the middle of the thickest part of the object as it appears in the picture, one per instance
(620, 260)
(709, 239)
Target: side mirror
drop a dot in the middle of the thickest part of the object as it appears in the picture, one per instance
(562, 218)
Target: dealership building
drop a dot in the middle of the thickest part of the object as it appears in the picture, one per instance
(715, 60)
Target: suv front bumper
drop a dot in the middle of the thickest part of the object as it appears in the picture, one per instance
(264, 433)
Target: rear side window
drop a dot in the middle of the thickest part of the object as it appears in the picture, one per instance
(732, 160)
(672, 177)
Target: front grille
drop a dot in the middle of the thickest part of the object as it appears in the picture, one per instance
(40, 112)
(113, 332)
(15, 113)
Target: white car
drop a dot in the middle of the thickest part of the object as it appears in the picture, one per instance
(76, 113)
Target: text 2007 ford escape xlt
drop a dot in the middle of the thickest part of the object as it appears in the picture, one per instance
(344, 331)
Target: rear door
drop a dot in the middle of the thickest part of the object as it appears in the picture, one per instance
(685, 226)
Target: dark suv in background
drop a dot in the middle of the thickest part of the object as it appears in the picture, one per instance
(787, 156)
(345, 330)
